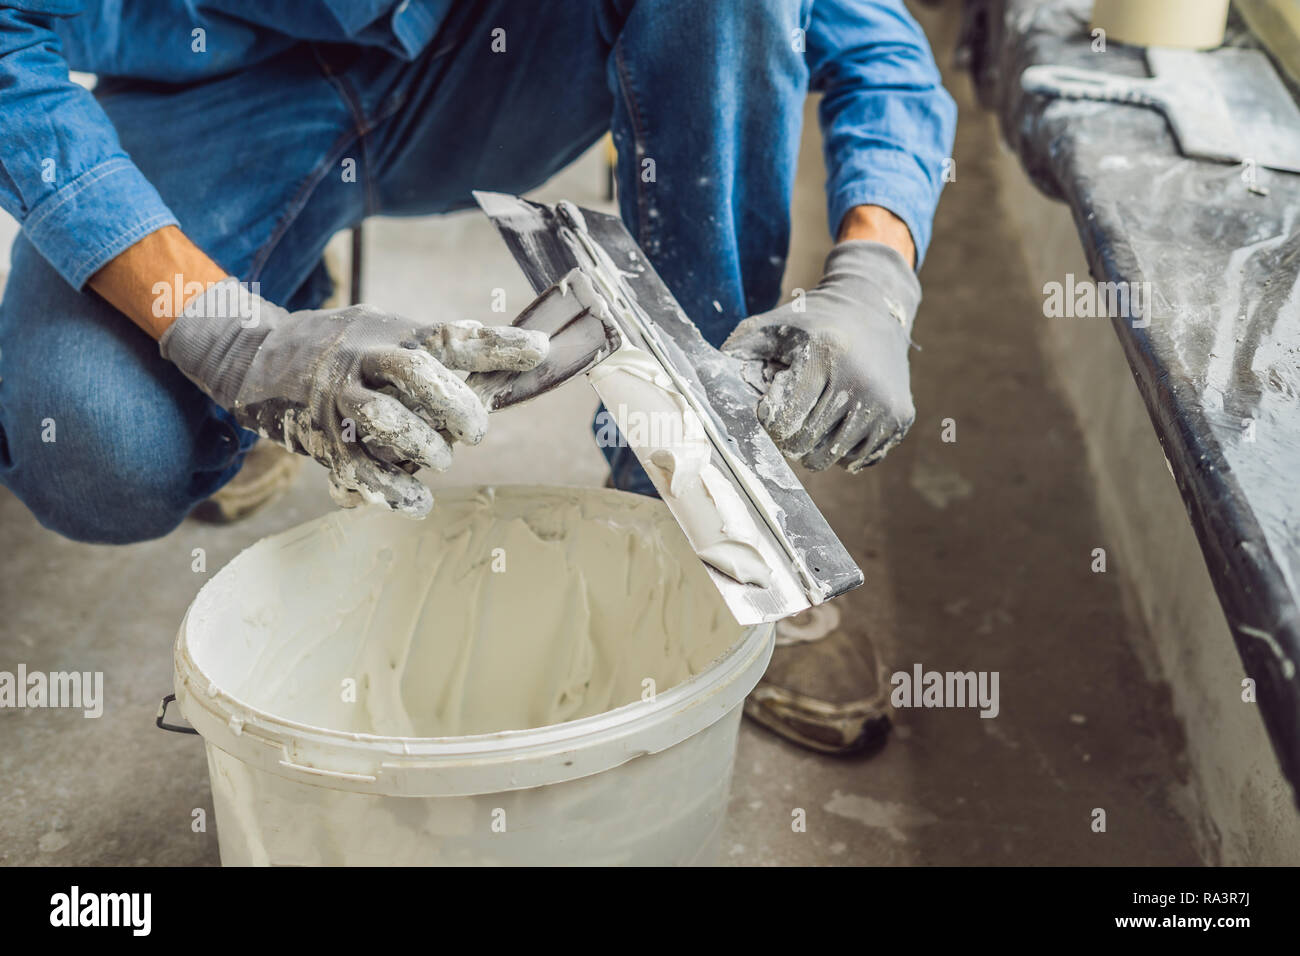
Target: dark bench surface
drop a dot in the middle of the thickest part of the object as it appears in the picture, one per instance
(1219, 364)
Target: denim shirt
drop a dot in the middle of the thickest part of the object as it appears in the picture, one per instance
(64, 176)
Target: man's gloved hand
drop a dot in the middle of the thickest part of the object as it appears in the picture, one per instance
(366, 393)
(842, 392)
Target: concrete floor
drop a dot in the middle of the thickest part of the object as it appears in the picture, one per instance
(976, 555)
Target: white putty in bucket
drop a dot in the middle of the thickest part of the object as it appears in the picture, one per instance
(514, 611)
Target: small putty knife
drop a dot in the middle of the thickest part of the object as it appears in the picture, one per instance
(572, 314)
(809, 563)
(1227, 105)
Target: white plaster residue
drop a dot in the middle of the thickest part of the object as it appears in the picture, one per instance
(810, 625)
(1288, 665)
(939, 486)
(894, 818)
(609, 279)
(52, 842)
(656, 420)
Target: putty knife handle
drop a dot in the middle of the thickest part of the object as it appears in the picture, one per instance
(1071, 84)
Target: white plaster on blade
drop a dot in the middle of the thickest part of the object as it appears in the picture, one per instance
(610, 281)
(657, 421)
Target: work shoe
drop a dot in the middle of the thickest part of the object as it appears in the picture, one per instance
(822, 690)
(267, 472)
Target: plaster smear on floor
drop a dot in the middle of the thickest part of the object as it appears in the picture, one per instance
(894, 818)
(502, 611)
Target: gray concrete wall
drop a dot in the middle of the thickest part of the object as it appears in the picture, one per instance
(1238, 801)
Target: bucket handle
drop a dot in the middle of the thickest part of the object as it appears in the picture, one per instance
(161, 720)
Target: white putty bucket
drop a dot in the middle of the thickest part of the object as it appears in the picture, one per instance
(469, 688)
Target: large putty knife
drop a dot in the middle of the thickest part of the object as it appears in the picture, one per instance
(809, 563)
(1227, 105)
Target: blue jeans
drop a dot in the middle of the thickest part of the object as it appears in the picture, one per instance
(252, 165)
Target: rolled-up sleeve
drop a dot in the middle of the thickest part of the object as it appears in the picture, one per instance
(63, 173)
(887, 122)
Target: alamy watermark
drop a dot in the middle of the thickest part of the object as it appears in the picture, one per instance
(130, 910)
(1098, 300)
(922, 688)
(83, 691)
(224, 300)
(624, 427)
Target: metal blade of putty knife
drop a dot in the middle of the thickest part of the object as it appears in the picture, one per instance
(1226, 105)
(581, 333)
(1264, 115)
(812, 565)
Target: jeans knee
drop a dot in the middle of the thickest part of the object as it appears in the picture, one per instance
(103, 439)
(95, 487)
(126, 521)
(105, 475)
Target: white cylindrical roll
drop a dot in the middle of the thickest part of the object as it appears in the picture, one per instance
(1188, 24)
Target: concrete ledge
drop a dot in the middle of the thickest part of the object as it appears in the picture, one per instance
(1243, 810)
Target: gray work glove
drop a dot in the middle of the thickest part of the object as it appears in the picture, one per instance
(368, 394)
(841, 389)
